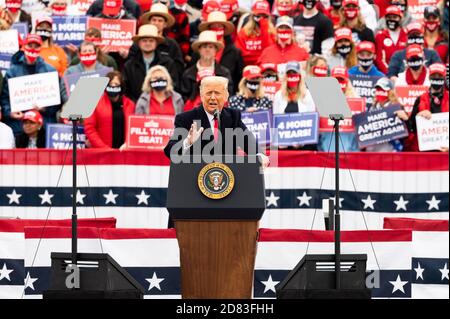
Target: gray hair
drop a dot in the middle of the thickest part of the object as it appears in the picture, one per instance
(214, 79)
(146, 84)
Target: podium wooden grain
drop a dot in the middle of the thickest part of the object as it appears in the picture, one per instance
(217, 258)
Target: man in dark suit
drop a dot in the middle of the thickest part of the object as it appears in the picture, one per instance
(211, 129)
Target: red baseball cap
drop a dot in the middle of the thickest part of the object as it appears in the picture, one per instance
(347, 2)
(112, 7)
(438, 68)
(261, 7)
(33, 116)
(365, 46)
(33, 38)
(268, 66)
(414, 50)
(339, 72)
(229, 7)
(252, 72)
(395, 10)
(42, 19)
(415, 26)
(343, 33)
(209, 7)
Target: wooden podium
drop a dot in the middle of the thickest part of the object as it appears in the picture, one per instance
(217, 237)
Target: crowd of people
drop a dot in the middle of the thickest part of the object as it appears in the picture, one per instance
(250, 42)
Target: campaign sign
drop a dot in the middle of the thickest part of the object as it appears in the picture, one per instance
(364, 86)
(149, 131)
(270, 88)
(432, 134)
(259, 124)
(417, 7)
(69, 29)
(10, 41)
(39, 90)
(71, 80)
(59, 136)
(82, 5)
(407, 95)
(116, 34)
(379, 126)
(5, 61)
(357, 105)
(22, 28)
(296, 129)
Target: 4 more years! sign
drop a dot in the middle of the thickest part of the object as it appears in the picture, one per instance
(149, 131)
(116, 34)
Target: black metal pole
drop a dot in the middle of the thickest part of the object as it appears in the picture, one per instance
(74, 191)
(337, 219)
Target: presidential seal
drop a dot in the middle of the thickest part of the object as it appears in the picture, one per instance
(216, 180)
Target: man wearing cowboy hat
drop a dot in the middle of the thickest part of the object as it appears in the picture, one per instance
(206, 46)
(135, 69)
(160, 17)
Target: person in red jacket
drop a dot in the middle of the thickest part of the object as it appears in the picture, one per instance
(434, 36)
(390, 39)
(434, 101)
(333, 12)
(256, 34)
(107, 126)
(285, 49)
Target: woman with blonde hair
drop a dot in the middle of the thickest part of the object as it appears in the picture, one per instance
(352, 18)
(317, 66)
(293, 96)
(158, 95)
(250, 97)
(343, 52)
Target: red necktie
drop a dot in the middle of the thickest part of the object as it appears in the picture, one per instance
(216, 129)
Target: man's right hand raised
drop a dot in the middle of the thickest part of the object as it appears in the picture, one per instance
(194, 133)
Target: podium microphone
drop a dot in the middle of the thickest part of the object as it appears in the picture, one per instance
(217, 116)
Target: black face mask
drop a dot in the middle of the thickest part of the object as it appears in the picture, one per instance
(158, 84)
(415, 40)
(44, 34)
(309, 4)
(392, 24)
(271, 78)
(336, 4)
(344, 50)
(437, 84)
(415, 63)
(113, 91)
(365, 63)
(253, 86)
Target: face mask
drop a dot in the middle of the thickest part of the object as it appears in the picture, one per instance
(285, 35)
(45, 34)
(320, 71)
(415, 63)
(309, 4)
(336, 4)
(351, 13)
(432, 25)
(270, 78)
(392, 24)
(437, 84)
(59, 10)
(219, 33)
(284, 10)
(344, 50)
(31, 54)
(88, 59)
(113, 91)
(13, 6)
(381, 96)
(158, 84)
(293, 81)
(253, 86)
(365, 63)
(415, 40)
